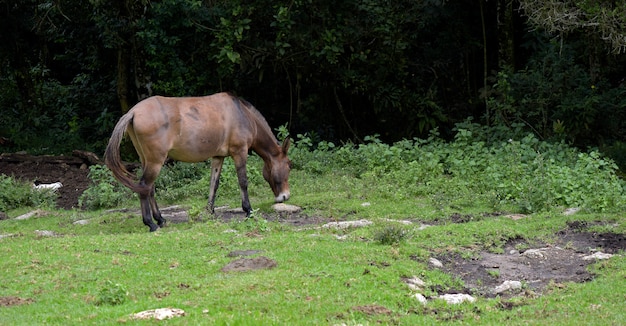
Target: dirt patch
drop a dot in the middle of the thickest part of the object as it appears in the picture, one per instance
(14, 301)
(72, 173)
(248, 264)
(536, 267)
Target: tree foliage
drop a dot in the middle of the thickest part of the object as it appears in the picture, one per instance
(340, 70)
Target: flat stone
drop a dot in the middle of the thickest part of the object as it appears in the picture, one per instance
(346, 224)
(29, 215)
(597, 256)
(286, 208)
(535, 253)
(435, 262)
(45, 233)
(414, 283)
(159, 314)
(571, 211)
(421, 298)
(457, 298)
(507, 285)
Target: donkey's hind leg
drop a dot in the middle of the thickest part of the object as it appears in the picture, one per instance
(156, 213)
(146, 210)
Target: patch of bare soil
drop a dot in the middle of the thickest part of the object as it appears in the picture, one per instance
(538, 266)
(14, 301)
(71, 171)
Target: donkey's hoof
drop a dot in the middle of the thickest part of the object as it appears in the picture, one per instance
(153, 228)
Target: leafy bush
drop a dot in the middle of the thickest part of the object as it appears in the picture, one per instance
(481, 163)
(105, 192)
(391, 235)
(15, 194)
(112, 294)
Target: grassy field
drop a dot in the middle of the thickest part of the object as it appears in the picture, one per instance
(103, 272)
(54, 271)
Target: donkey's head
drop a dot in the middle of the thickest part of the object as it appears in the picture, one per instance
(276, 173)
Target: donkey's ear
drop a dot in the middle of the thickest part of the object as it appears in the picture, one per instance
(286, 144)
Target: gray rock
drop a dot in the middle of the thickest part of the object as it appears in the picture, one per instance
(507, 285)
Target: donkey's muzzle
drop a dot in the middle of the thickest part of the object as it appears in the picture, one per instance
(282, 197)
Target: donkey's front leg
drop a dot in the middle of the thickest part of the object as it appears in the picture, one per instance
(242, 177)
(216, 170)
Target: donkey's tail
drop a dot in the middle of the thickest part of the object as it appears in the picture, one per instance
(112, 154)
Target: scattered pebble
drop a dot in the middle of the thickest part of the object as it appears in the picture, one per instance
(2, 236)
(45, 233)
(435, 262)
(597, 255)
(571, 211)
(346, 224)
(366, 204)
(421, 298)
(508, 285)
(457, 298)
(414, 283)
(29, 215)
(423, 226)
(286, 208)
(535, 253)
(159, 314)
(398, 221)
(515, 217)
(81, 222)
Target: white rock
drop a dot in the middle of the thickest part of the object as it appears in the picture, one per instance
(534, 253)
(45, 233)
(508, 285)
(28, 215)
(597, 255)
(81, 222)
(423, 227)
(457, 298)
(365, 204)
(421, 298)
(159, 314)
(346, 224)
(435, 262)
(286, 208)
(51, 186)
(515, 217)
(571, 211)
(414, 283)
(398, 221)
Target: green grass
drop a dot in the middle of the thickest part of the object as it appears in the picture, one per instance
(318, 281)
(103, 272)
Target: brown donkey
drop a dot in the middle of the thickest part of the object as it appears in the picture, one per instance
(194, 129)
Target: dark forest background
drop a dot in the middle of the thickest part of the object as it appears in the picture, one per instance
(339, 70)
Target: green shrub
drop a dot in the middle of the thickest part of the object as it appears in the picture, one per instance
(112, 294)
(15, 194)
(105, 191)
(390, 235)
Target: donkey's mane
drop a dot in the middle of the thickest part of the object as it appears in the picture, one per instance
(257, 115)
